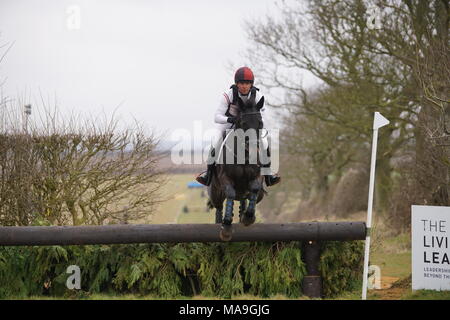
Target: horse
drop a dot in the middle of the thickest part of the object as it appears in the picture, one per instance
(238, 181)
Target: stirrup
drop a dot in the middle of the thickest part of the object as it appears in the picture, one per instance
(272, 180)
(201, 179)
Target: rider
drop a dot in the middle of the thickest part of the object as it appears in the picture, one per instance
(225, 117)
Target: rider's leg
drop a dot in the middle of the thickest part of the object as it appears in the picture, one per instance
(269, 178)
(205, 177)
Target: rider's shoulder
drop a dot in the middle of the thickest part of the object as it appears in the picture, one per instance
(229, 92)
(228, 95)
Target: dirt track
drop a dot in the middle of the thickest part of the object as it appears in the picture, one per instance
(389, 292)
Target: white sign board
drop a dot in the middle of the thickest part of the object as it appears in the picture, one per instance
(430, 247)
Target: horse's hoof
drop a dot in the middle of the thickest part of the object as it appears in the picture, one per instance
(246, 221)
(248, 218)
(226, 232)
(249, 221)
(227, 220)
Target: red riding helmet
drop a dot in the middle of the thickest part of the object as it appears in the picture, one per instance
(244, 74)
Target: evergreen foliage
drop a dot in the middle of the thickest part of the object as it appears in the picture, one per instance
(172, 270)
(341, 266)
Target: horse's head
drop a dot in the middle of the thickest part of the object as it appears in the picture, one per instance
(250, 114)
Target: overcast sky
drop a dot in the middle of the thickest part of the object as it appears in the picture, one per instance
(164, 63)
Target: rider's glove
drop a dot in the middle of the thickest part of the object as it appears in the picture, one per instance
(231, 120)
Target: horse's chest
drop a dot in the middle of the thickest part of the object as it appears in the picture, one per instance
(244, 172)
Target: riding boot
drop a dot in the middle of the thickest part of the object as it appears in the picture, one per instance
(206, 176)
(270, 179)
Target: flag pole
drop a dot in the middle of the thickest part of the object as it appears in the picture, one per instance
(378, 122)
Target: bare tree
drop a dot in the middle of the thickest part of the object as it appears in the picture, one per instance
(75, 171)
(363, 71)
(331, 40)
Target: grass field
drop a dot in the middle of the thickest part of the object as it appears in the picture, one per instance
(180, 196)
(177, 194)
(186, 205)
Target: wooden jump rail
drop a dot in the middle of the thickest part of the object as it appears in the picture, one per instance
(310, 233)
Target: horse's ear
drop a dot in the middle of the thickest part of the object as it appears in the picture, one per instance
(260, 103)
(251, 101)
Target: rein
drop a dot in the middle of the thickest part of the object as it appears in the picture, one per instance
(224, 144)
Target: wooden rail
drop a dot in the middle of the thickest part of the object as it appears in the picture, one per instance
(158, 233)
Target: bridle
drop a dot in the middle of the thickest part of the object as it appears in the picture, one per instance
(250, 113)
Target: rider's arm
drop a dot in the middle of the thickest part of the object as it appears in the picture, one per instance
(220, 116)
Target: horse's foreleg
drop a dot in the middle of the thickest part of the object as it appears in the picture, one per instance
(219, 213)
(251, 204)
(242, 207)
(230, 195)
(226, 231)
(249, 216)
(219, 216)
(255, 187)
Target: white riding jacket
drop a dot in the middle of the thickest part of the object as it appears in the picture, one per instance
(223, 112)
(226, 109)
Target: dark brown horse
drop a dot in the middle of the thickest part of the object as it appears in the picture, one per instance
(239, 181)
